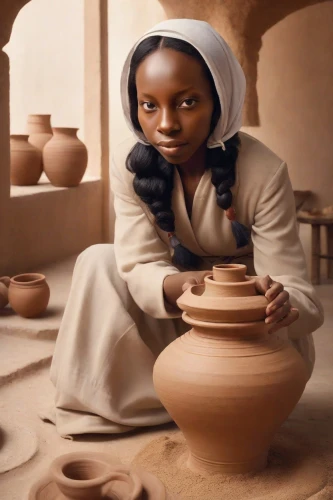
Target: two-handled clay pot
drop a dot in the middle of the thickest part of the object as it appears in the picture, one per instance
(29, 294)
(4, 284)
(227, 383)
(94, 476)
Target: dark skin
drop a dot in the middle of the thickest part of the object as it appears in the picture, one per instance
(175, 107)
(180, 112)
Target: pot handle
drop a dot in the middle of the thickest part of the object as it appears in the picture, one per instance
(135, 488)
(5, 280)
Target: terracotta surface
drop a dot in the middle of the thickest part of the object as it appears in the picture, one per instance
(39, 130)
(94, 476)
(25, 161)
(227, 383)
(65, 158)
(4, 284)
(29, 294)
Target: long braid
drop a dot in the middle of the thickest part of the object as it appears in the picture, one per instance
(223, 166)
(153, 183)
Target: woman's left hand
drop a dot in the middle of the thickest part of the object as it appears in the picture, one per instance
(279, 311)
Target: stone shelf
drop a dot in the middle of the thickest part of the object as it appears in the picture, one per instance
(44, 186)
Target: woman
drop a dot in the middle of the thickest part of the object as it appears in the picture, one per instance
(195, 192)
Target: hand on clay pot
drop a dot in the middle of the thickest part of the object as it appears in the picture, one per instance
(279, 311)
(195, 278)
(175, 284)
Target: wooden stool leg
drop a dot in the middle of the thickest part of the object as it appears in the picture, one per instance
(329, 233)
(315, 261)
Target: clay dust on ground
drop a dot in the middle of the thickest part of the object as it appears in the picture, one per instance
(297, 470)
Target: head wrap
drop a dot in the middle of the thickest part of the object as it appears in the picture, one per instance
(226, 71)
(229, 82)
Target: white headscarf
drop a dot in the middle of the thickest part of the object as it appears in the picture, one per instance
(226, 71)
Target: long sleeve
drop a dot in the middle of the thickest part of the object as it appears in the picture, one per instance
(143, 259)
(278, 252)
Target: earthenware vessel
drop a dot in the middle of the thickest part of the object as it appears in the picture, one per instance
(4, 284)
(227, 383)
(29, 294)
(39, 130)
(25, 161)
(95, 476)
(65, 158)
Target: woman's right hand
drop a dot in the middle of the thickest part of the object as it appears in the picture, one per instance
(175, 284)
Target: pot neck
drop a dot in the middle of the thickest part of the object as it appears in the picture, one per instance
(39, 124)
(69, 131)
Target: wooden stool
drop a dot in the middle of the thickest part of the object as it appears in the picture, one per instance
(316, 222)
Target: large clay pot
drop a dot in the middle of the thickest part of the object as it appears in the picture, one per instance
(65, 158)
(39, 130)
(227, 383)
(29, 294)
(4, 284)
(94, 476)
(25, 161)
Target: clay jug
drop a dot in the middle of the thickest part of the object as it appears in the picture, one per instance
(65, 158)
(94, 476)
(29, 294)
(39, 130)
(4, 284)
(227, 383)
(25, 161)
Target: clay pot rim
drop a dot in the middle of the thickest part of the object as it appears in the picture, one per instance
(229, 267)
(62, 461)
(259, 325)
(65, 129)
(231, 284)
(209, 302)
(221, 309)
(36, 278)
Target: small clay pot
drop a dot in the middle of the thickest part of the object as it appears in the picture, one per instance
(94, 476)
(80, 477)
(25, 162)
(29, 294)
(39, 130)
(65, 158)
(4, 284)
(229, 273)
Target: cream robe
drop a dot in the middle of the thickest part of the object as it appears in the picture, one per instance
(116, 321)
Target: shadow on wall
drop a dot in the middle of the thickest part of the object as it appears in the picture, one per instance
(242, 23)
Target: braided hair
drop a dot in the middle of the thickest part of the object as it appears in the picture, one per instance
(153, 179)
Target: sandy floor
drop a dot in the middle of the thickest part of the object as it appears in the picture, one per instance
(303, 450)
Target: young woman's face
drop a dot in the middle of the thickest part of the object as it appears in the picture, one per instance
(175, 103)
